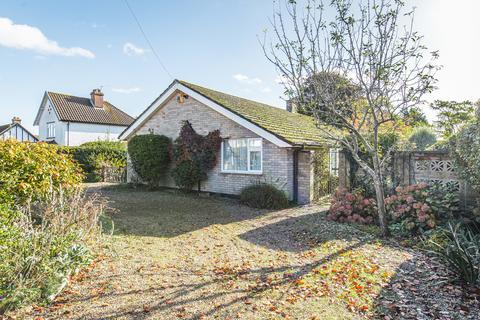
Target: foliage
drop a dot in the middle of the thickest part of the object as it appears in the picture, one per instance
(263, 196)
(366, 45)
(30, 172)
(43, 245)
(423, 138)
(318, 89)
(409, 210)
(324, 181)
(150, 156)
(186, 174)
(352, 207)
(460, 248)
(415, 117)
(465, 150)
(194, 155)
(417, 208)
(93, 156)
(452, 116)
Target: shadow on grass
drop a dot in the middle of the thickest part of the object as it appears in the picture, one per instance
(186, 294)
(301, 233)
(424, 288)
(167, 213)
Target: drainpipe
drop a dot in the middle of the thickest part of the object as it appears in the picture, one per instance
(68, 133)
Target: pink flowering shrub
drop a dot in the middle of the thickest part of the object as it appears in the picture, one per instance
(351, 207)
(409, 208)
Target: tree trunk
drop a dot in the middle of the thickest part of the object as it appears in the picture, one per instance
(382, 212)
(380, 194)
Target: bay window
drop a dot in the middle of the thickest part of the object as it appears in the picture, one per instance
(242, 155)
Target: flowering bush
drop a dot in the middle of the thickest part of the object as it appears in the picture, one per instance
(410, 209)
(351, 207)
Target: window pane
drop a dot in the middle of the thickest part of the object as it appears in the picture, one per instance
(255, 143)
(334, 162)
(235, 155)
(255, 160)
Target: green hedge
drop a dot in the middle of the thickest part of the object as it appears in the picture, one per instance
(31, 172)
(93, 156)
(150, 156)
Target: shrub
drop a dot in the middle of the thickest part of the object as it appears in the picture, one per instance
(409, 210)
(352, 207)
(150, 155)
(460, 248)
(194, 153)
(465, 150)
(263, 196)
(417, 208)
(42, 246)
(94, 156)
(423, 138)
(30, 172)
(186, 174)
(45, 222)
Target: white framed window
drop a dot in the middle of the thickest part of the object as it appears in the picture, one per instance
(51, 130)
(242, 155)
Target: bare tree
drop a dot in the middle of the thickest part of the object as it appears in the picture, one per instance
(365, 44)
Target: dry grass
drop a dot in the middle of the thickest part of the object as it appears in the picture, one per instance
(177, 256)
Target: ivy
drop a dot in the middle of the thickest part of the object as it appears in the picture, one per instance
(194, 155)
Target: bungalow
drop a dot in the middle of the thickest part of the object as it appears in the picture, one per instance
(260, 142)
(15, 130)
(70, 121)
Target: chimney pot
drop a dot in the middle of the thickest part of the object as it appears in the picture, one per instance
(97, 98)
(16, 120)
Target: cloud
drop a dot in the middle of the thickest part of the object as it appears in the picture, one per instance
(25, 37)
(246, 79)
(130, 49)
(266, 90)
(127, 90)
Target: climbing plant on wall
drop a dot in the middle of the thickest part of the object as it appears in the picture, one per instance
(194, 155)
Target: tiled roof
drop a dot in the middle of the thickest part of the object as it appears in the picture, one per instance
(4, 127)
(79, 109)
(294, 128)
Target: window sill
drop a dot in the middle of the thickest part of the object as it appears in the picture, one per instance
(250, 173)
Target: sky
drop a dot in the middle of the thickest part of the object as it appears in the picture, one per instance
(75, 46)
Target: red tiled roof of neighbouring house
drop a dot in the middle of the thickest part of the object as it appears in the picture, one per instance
(79, 109)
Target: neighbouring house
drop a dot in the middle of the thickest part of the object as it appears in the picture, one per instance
(70, 121)
(15, 130)
(260, 142)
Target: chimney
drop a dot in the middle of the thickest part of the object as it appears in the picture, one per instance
(97, 98)
(16, 120)
(291, 106)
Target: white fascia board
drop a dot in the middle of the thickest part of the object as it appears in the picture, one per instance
(220, 109)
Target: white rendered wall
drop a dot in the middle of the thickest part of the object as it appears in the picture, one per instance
(78, 133)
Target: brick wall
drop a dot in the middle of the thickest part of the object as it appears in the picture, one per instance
(277, 162)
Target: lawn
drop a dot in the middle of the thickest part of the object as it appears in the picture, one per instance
(176, 256)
